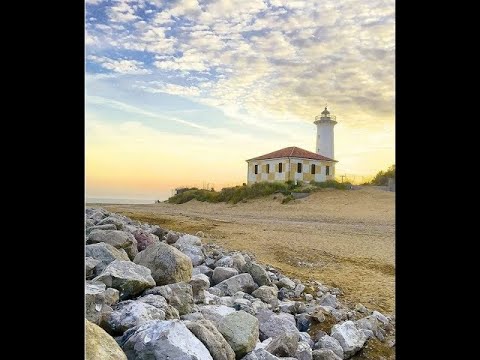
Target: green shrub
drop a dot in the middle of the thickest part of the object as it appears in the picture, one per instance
(381, 179)
(287, 199)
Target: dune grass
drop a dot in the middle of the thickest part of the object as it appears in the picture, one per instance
(236, 194)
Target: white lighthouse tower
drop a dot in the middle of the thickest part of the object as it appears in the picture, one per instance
(325, 123)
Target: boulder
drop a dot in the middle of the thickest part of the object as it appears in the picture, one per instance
(99, 345)
(111, 296)
(299, 290)
(328, 342)
(241, 332)
(94, 301)
(192, 247)
(305, 337)
(239, 262)
(128, 314)
(241, 282)
(284, 345)
(118, 239)
(221, 273)
(90, 264)
(199, 284)
(285, 282)
(171, 237)
(105, 254)
(202, 269)
(373, 324)
(163, 340)
(160, 303)
(224, 261)
(350, 338)
(168, 264)
(259, 274)
(260, 354)
(144, 239)
(324, 354)
(268, 294)
(128, 278)
(178, 295)
(208, 334)
(195, 316)
(158, 231)
(303, 322)
(113, 220)
(216, 313)
(273, 325)
(304, 351)
(329, 300)
(100, 227)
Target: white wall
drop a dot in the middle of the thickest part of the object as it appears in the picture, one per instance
(325, 139)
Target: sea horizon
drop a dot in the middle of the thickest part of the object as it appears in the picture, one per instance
(97, 200)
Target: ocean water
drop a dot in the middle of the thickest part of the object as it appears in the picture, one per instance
(89, 200)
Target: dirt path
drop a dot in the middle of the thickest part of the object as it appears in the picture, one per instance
(341, 238)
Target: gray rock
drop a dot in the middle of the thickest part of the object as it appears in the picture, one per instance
(258, 305)
(195, 316)
(329, 300)
(328, 342)
(99, 345)
(171, 237)
(118, 239)
(168, 264)
(88, 223)
(90, 264)
(144, 239)
(178, 295)
(308, 297)
(299, 290)
(324, 354)
(241, 282)
(339, 314)
(119, 224)
(284, 345)
(158, 231)
(216, 313)
(259, 274)
(215, 291)
(305, 337)
(372, 324)
(208, 334)
(192, 247)
(260, 354)
(128, 278)
(239, 262)
(105, 253)
(100, 227)
(202, 269)
(222, 273)
(273, 325)
(303, 322)
(361, 308)
(240, 329)
(380, 317)
(350, 338)
(199, 284)
(163, 340)
(160, 303)
(225, 261)
(112, 296)
(210, 262)
(128, 314)
(285, 282)
(268, 294)
(94, 301)
(304, 351)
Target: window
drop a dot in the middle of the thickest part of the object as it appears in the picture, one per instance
(256, 169)
(299, 167)
(280, 167)
(327, 170)
(313, 168)
(268, 168)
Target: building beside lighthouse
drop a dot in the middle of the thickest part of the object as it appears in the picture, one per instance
(296, 164)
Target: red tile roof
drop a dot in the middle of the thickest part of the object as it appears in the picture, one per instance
(293, 151)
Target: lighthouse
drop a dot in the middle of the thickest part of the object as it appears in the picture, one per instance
(325, 123)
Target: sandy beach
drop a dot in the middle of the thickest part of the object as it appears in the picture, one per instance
(340, 238)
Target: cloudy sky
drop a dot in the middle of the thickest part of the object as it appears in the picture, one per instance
(181, 92)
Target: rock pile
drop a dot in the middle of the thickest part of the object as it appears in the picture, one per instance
(159, 294)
